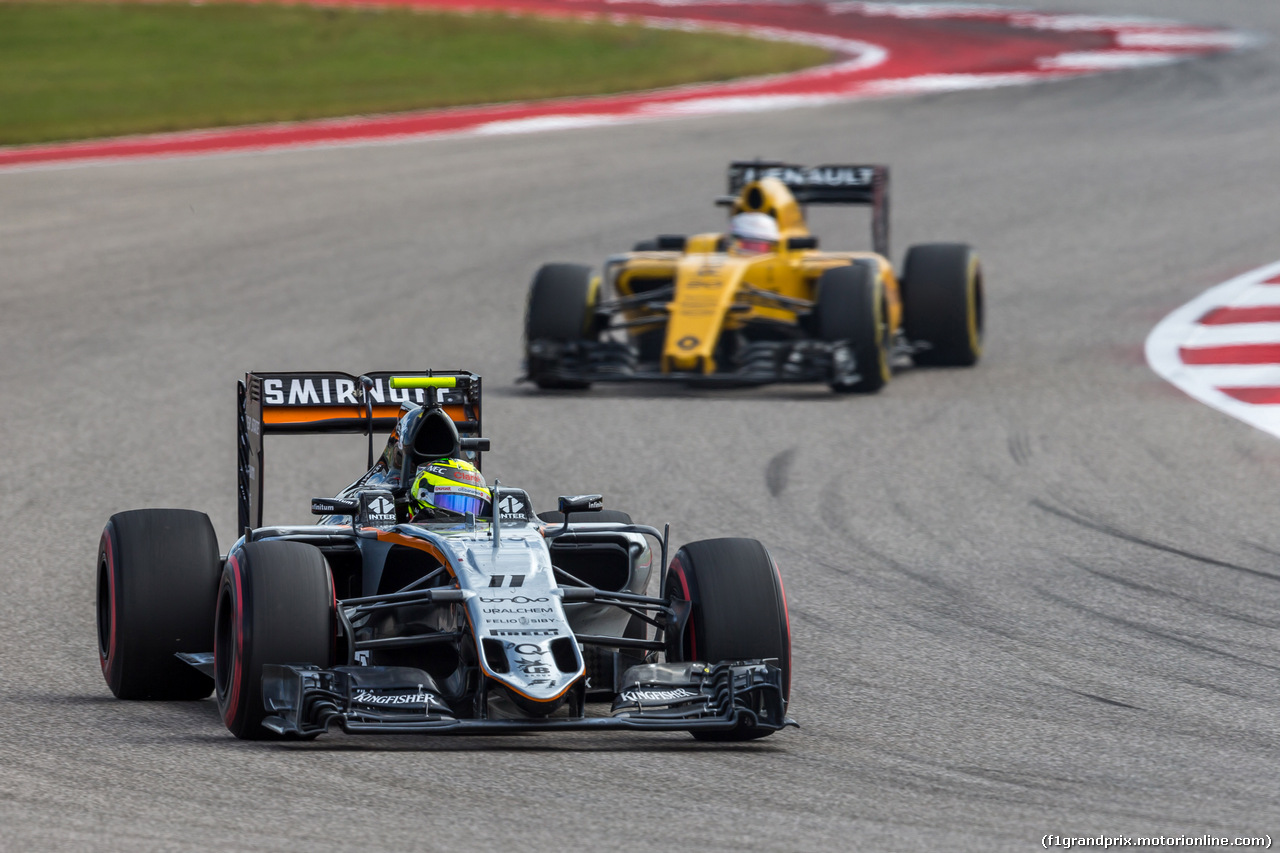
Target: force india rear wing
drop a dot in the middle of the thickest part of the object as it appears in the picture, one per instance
(833, 184)
(302, 403)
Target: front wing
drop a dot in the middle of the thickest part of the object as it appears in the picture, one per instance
(760, 363)
(305, 701)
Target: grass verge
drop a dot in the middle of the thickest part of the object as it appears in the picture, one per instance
(82, 70)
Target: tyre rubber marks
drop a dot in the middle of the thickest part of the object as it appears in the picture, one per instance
(1223, 348)
(879, 49)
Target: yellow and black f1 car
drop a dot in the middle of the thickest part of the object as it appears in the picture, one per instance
(714, 308)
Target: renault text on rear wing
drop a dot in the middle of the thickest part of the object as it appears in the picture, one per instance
(829, 184)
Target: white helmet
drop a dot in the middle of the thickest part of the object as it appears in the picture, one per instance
(753, 233)
(754, 226)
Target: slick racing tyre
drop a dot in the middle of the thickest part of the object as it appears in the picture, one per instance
(157, 584)
(942, 303)
(561, 310)
(850, 306)
(275, 606)
(739, 611)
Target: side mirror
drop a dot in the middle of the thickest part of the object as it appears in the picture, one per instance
(333, 506)
(580, 503)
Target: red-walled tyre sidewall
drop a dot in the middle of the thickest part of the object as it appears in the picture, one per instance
(275, 606)
(739, 608)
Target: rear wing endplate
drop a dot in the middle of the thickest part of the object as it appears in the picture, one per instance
(830, 184)
(301, 403)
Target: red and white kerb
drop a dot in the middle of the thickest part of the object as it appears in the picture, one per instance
(878, 49)
(1223, 348)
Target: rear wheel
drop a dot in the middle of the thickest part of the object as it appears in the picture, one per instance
(275, 606)
(850, 306)
(739, 611)
(561, 310)
(942, 303)
(157, 584)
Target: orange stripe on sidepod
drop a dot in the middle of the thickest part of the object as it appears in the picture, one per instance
(417, 544)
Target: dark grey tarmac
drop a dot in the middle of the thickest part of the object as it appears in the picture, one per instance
(1040, 596)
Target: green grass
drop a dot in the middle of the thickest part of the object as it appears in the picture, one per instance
(74, 71)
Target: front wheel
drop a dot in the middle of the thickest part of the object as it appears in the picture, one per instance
(275, 606)
(739, 612)
(157, 584)
(561, 310)
(850, 307)
(942, 303)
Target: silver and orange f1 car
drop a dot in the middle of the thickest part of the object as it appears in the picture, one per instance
(371, 620)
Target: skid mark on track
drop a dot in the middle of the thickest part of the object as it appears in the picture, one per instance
(1213, 688)
(843, 571)
(1103, 699)
(1019, 447)
(927, 774)
(1270, 552)
(777, 471)
(1111, 530)
(1149, 630)
(834, 510)
(805, 616)
(1197, 603)
(934, 583)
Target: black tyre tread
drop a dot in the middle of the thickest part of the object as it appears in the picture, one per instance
(599, 517)
(850, 307)
(558, 308)
(286, 593)
(162, 566)
(739, 610)
(942, 303)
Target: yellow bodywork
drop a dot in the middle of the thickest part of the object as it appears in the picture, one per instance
(717, 290)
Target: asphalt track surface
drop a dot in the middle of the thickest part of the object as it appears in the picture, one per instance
(1035, 597)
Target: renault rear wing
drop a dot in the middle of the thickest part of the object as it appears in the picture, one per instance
(308, 402)
(830, 184)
